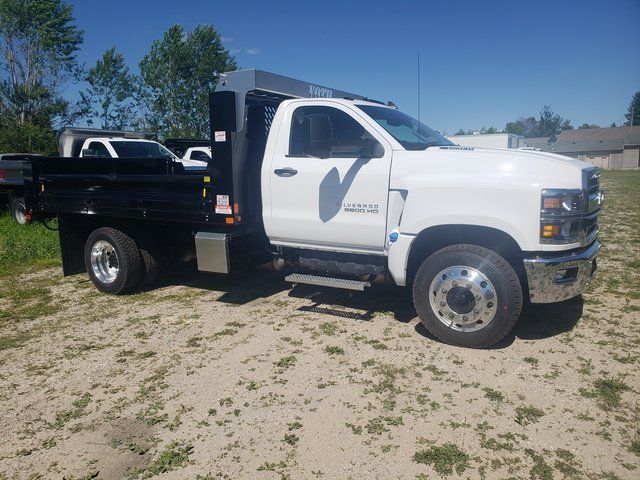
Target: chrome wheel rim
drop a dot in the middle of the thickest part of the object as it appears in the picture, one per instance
(19, 214)
(104, 261)
(463, 298)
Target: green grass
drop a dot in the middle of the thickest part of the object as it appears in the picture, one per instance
(528, 414)
(334, 350)
(175, 455)
(607, 391)
(444, 459)
(26, 247)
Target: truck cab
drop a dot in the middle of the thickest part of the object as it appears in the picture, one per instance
(199, 154)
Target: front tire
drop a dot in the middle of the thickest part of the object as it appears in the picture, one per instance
(113, 261)
(467, 295)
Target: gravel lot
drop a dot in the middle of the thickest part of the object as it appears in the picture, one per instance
(210, 377)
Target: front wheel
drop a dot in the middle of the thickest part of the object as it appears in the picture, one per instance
(467, 295)
(113, 261)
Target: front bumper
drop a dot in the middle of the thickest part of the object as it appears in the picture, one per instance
(556, 278)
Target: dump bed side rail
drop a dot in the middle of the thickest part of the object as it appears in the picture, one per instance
(143, 188)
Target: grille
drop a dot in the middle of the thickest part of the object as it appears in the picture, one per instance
(590, 226)
(593, 181)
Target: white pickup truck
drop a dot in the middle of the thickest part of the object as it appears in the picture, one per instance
(120, 147)
(346, 192)
(95, 143)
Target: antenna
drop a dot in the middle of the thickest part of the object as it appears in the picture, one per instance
(418, 75)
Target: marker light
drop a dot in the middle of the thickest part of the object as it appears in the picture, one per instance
(551, 231)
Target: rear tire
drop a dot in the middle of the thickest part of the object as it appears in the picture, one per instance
(19, 210)
(113, 261)
(467, 295)
(150, 263)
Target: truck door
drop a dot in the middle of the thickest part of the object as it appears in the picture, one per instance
(329, 180)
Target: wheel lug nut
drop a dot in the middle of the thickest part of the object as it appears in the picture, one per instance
(476, 311)
(444, 290)
(478, 297)
(451, 315)
(465, 318)
(455, 283)
(469, 286)
(443, 304)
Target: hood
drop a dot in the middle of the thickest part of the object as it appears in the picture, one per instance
(456, 165)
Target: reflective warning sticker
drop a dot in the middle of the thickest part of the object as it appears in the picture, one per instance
(223, 209)
(220, 136)
(222, 200)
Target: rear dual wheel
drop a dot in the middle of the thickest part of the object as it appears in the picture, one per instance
(467, 295)
(116, 264)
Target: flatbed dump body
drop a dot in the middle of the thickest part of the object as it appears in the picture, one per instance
(132, 188)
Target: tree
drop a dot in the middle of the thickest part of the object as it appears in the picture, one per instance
(459, 132)
(549, 123)
(527, 126)
(38, 43)
(108, 98)
(516, 127)
(588, 125)
(633, 112)
(566, 125)
(176, 78)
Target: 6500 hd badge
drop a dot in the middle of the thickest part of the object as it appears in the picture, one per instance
(361, 207)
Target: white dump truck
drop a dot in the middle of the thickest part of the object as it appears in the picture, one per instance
(345, 192)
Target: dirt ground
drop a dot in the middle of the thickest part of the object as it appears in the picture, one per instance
(208, 377)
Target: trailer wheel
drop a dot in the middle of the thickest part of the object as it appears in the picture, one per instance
(113, 261)
(19, 210)
(467, 295)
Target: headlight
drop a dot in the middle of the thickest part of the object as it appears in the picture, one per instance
(561, 202)
(561, 216)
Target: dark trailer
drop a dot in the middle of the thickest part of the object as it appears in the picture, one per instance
(164, 207)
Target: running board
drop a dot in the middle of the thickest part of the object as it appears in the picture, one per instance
(327, 281)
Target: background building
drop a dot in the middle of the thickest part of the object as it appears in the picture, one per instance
(615, 147)
(490, 140)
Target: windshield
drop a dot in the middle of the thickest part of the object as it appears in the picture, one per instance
(410, 133)
(141, 150)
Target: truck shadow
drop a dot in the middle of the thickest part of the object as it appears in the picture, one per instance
(536, 322)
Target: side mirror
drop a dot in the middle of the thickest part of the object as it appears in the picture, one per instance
(318, 138)
(371, 148)
(87, 152)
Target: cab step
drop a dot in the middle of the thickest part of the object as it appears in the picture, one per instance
(327, 281)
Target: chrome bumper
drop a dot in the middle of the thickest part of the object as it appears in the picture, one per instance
(556, 278)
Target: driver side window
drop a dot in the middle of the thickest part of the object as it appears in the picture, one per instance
(100, 150)
(327, 132)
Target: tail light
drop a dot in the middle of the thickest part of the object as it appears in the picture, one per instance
(3, 174)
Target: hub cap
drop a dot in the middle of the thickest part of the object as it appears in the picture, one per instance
(463, 298)
(104, 261)
(19, 214)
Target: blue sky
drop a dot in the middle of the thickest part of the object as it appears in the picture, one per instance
(483, 63)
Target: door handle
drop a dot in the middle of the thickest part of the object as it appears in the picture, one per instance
(285, 172)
